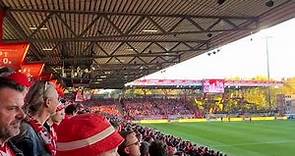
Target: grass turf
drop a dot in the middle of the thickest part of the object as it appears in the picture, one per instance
(259, 138)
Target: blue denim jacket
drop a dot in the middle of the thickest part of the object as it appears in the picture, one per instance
(29, 142)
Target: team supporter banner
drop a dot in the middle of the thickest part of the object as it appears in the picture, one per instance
(253, 83)
(46, 76)
(213, 86)
(87, 95)
(79, 96)
(33, 70)
(13, 54)
(83, 96)
(164, 82)
(60, 90)
(54, 81)
(190, 83)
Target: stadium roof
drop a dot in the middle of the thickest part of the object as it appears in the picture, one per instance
(112, 42)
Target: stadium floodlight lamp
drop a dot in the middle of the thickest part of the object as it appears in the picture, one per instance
(86, 70)
(129, 49)
(33, 28)
(47, 49)
(209, 35)
(220, 2)
(43, 28)
(269, 3)
(150, 30)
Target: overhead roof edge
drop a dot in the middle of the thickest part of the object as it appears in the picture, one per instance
(271, 18)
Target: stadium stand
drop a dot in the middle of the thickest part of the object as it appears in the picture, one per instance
(151, 108)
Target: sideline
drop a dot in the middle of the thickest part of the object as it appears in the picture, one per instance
(257, 143)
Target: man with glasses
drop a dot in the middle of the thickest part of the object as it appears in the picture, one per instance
(130, 147)
(40, 102)
(12, 88)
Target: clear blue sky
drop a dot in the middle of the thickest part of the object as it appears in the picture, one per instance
(244, 58)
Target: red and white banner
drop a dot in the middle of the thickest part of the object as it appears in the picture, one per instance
(33, 70)
(213, 86)
(13, 54)
(184, 83)
(46, 76)
(79, 96)
(164, 82)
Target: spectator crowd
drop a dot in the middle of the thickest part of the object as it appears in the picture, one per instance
(34, 121)
(150, 108)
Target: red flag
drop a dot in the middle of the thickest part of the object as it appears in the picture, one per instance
(13, 54)
(46, 76)
(34, 69)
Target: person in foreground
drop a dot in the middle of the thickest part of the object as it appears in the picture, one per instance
(87, 135)
(40, 102)
(12, 88)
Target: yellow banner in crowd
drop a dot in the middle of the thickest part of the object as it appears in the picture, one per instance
(210, 120)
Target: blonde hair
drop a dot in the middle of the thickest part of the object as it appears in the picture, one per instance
(36, 96)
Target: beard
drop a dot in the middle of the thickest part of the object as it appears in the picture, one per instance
(11, 130)
(15, 127)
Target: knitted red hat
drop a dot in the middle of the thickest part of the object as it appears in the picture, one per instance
(87, 134)
(20, 79)
(16, 77)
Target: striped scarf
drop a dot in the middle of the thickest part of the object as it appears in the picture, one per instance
(48, 138)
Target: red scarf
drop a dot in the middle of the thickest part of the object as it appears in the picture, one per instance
(53, 135)
(6, 151)
(48, 138)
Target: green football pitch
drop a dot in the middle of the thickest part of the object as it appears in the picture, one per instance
(259, 138)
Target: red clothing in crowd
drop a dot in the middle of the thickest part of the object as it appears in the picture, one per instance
(6, 151)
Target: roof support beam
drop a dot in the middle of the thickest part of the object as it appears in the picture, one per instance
(123, 14)
(113, 25)
(99, 39)
(135, 25)
(65, 23)
(48, 17)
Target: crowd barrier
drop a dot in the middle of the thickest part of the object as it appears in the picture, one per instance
(212, 120)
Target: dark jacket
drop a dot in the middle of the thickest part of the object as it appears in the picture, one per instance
(29, 142)
(15, 149)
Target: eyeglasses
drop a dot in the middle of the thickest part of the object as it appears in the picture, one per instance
(46, 86)
(136, 143)
(37, 93)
